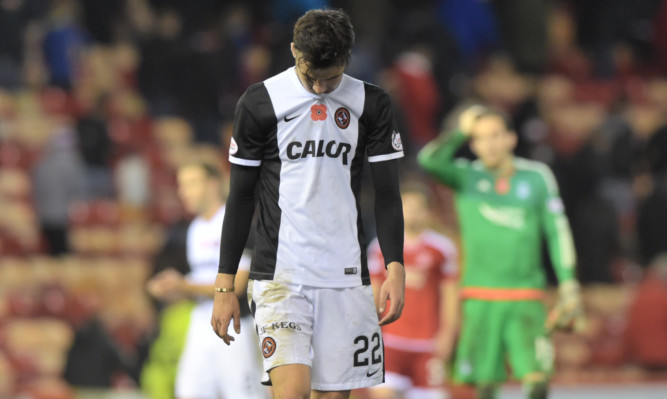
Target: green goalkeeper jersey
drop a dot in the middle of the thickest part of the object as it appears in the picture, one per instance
(502, 221)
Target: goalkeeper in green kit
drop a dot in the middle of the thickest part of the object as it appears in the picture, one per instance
(505, 205)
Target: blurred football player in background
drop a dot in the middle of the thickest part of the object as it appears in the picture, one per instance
(418, 345)
(505, 205)
(208, 368)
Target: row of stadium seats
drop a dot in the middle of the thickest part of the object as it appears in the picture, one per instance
(44, 302)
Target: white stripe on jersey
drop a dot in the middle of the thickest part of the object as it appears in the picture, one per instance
(386, 157)
(244, 162)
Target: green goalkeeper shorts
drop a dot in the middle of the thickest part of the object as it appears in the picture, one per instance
(497, 334)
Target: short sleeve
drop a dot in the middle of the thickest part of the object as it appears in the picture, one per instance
(383, 138)
(244, 263)
(253, 120)
(449, 267)
(447, 254)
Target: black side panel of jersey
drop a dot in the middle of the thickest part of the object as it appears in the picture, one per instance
(367, 121)
(356, 170)
(268, 221)
(254, 128)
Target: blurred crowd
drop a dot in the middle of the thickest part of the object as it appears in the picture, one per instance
(101, 100)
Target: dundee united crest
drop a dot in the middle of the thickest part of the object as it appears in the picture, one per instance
(342, 118)
(233, 147)
(268, 347)
(396, 141)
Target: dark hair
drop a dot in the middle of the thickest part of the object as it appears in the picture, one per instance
(324, 37)
(490, 111)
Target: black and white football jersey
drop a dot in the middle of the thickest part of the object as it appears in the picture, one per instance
(310, 148)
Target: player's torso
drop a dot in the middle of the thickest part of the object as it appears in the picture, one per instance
(203, 248)
(501, 228)
(319, 146)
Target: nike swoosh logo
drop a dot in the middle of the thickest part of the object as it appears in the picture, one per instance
(286, 119)
(369, 374)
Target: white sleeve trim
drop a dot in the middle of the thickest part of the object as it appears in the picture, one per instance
(244, 162)
(385, 157)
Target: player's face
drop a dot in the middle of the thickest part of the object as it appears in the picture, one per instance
(192, 188)
(415, 211)
(492, 142)
(318, 81)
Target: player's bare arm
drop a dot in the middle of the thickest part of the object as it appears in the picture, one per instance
(449, 318)
(171, 285)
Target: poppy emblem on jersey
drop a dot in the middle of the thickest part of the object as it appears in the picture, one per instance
(502, 186)
(342, 118)
(396, 141)
(318, 112)
(268, 347)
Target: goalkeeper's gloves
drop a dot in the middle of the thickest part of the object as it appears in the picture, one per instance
(568, 314)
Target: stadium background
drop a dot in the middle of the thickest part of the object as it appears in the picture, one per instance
(100, 101)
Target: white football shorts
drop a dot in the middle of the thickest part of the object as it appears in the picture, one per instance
(333, 330)
(209, 369)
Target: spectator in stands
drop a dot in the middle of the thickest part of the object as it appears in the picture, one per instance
(14, 18)
(63, 44)
(94, 359)
(95, 146)
(651, 212)
(652, 218)
(417, 94)
(646, 333)
(58, 181)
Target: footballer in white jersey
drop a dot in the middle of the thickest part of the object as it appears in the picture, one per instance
(207, 368)
(300, 140)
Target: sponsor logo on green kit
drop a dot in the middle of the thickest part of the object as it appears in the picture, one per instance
(506, 216)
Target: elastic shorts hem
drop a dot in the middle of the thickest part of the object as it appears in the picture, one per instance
(267, 380)
(287, 362)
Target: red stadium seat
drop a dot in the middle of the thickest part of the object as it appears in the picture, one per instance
(23, 303)
(15, 155)
(101, 212)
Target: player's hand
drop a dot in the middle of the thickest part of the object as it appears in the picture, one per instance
(392, 291)
(468, 117)
(444, 344)
(568, 314)
(225, 308)
(166, 285)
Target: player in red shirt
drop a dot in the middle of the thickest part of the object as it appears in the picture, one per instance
(418, 344)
